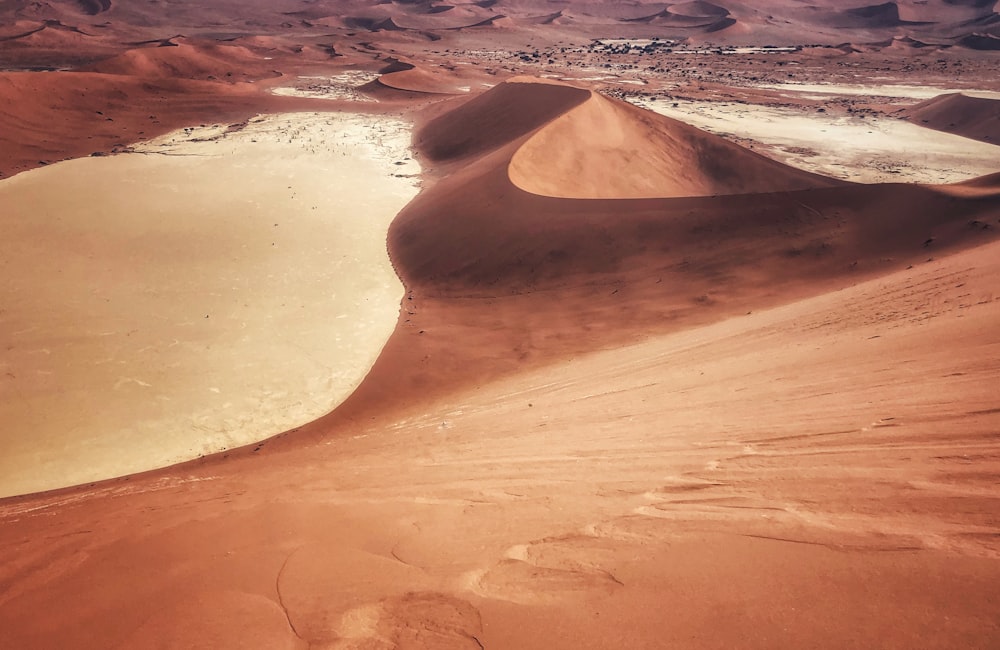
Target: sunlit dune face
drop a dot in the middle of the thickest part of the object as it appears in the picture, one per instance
(611, 379)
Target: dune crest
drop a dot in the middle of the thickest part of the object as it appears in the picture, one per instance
(973, 117)
(605, 148)
(502, 115)
(642, 388)
(406, 76)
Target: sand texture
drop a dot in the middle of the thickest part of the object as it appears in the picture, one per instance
(719, 374)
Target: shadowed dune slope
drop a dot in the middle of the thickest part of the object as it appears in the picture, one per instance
(984, 42)
(57, 115)
(401, 75)
(522, 279)
(498, 117)
(973, 117)
(698, 8)
(821, 476)
(189, 61)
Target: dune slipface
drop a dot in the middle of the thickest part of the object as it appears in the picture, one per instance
(646, 388)
(212, 289)
(608, 149)
(972, 117)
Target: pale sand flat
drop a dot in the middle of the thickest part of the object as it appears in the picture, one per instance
(874, 90)
(212, 290)
(870, 150)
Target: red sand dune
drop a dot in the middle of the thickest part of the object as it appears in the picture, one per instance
(610, 149)
(698, 8)
(973, 117)
(751, 408)
(795, 477)
(60, 115)
(619, 267)
(776, 21)
(986, 42)
(186, 60)
(402, 75)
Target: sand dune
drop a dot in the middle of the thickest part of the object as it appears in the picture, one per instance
(185, 60)
(784, 21)
(746, 454)
(609, 149)
(50, 43)
(698, 8)
(664, 415)
(403, 75)
(972, 117)
(484, 123)
(871, 16)
(74, 114)
(985, 42)
(556, 273)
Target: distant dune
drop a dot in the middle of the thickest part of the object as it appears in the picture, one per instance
(558, 272)
(609, 149)
(973, 117)
(671, 412)
(179, 58)
(966, 23)
(402, 75)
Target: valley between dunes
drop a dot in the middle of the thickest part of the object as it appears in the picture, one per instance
(754, 408)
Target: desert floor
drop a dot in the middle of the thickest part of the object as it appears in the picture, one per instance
(496, 326)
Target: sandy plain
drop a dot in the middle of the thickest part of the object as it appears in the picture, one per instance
(720, 402)
(241, 273)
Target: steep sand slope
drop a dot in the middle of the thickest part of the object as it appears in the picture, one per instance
(523, 277)
(59, 115)
(816, 475)
(819, 475)
(609, 149)
(974, 117)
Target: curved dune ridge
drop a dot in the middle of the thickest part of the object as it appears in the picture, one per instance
(698, 9)
(496, 118)
(973, 117)
(187, 60)
(556, 272)
(504, 179)
(671, 413)
(48, 35)
(438, 237)
(971, 24)
(402, 75)
(606, 148)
